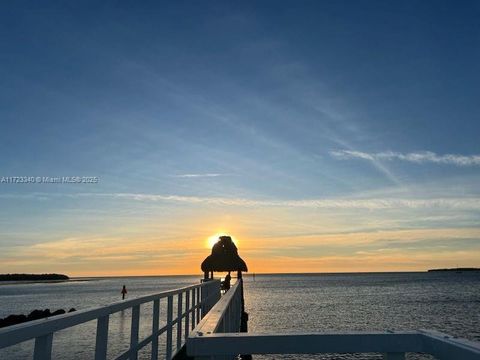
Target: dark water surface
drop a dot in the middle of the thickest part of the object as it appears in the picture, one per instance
(447, 302)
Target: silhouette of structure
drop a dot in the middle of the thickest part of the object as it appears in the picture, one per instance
(224, 258)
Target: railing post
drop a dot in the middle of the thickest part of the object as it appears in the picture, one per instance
(238, 311)
(134, 332)
(394, 356)
(101, 342)
(187, 313)
(43, 347)
(155, 327)
(179, 321)
(204, 300)
(213, 294)
(230, 313)
(199, 289)
(194, 310)
(169, 327)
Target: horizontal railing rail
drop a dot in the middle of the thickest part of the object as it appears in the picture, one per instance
(393, 345)
(199, 299)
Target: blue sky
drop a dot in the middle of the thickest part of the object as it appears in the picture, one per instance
(267, 119)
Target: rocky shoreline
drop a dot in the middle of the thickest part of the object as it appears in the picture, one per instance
(15, 319)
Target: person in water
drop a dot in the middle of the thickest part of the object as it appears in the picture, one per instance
(124, 292)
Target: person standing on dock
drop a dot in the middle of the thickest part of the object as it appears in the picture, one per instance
(226, 283)
(124, 292)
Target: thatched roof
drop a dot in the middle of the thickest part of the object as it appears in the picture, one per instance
(224, 257)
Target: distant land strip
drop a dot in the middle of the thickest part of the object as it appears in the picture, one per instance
(455, 269)
(32, 277)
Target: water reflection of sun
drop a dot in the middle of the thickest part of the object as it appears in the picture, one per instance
(211, 240)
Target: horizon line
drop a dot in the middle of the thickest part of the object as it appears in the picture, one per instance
(274, 273)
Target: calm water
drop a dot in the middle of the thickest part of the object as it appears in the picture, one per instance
(447, 302)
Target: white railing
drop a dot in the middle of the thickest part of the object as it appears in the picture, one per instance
(216, 324)
(393, 345)
(199, 299)
(225, 315)
(217, 336)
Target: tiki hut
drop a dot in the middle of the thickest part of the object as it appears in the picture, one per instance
(224, 258)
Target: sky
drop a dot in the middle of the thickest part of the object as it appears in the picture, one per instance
(324, 136)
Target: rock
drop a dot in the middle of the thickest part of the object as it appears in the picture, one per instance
(39, 314)
(58, 312)
(34, 315)
(13, 320)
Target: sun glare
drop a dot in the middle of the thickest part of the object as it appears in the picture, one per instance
(214, 238)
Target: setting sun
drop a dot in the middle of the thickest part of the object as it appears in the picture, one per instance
(214, 238)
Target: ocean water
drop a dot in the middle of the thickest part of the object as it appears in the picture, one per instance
(447, 302)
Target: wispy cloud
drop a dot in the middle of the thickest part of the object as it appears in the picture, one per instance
(414, 157)
(207, 175)
(461, 203)
(372, 204)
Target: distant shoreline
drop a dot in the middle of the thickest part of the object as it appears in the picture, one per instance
(455, 269)
(11, 279)
(26, 282)
(33, 277)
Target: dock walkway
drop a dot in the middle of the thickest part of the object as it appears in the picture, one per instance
(207, 325)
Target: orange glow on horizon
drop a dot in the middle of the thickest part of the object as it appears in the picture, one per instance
(151, 254)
